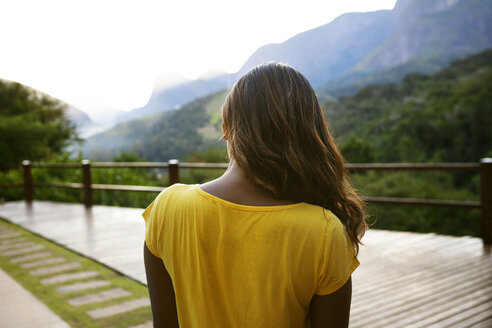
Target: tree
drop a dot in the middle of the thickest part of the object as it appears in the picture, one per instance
(128, 157)
(356, 150)
(33, 125)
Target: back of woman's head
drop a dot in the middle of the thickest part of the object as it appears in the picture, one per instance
(277, 135)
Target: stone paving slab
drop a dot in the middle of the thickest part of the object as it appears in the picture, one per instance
(98, 297)
(148, 324)
(12, 240)
(51, 260)
(30, 257)
(82, 286)
(58, 279)
(119, 308)
(55, 269)
(23, 250)
(18, 245)
(9, 235)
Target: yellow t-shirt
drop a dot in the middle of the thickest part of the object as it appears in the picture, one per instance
(246, 266)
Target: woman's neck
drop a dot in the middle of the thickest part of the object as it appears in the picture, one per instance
(234, 186)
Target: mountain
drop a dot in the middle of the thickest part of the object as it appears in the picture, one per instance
(426, 36)
(168, 80)
(162, 136)
(85, 126)
(416, 36)
(100, 118)
(331, 50)
(78, 117)
(175, 96)
(211, 73)
(358, 49)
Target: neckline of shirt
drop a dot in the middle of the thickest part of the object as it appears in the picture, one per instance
(244, 207)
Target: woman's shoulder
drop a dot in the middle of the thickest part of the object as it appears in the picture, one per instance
(321, 218)
(176, 191)
(177, 188)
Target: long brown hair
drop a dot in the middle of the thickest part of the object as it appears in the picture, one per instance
(278, 136)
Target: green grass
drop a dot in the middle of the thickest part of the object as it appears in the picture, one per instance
(57, 302)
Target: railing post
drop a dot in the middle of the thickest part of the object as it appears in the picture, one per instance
(486, 200)
(87, 182)
(173, 171)
(28, 185)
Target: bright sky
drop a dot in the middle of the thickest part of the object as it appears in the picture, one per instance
(95, 53)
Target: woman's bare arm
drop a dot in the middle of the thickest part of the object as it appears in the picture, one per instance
(161, 291)
(332, 310)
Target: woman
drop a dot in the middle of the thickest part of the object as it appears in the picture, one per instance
(272, 242)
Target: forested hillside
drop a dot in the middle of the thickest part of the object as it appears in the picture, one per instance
(445, 117)
(162, 136)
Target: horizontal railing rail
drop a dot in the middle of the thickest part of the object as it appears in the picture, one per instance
(12, 185)
(484, 168)
(414, 166)
(351, 167)
(423, 201)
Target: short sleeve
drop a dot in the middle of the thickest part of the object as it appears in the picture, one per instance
(339, 260)
(153, 216)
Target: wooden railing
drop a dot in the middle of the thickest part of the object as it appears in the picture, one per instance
(173, 166)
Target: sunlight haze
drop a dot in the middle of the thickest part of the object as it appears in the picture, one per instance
(99, 55)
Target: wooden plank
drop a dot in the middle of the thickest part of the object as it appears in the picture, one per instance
(219, 166)
(430, 310)
(402, 299)
(423, 202)
(473, 315)
(127, 188)
(13, 185)
(460, 310)
(147, 165)
(412, 297)
(351, 167)
(56, 165)
(414, 166)
(485, 323)
(66, 185)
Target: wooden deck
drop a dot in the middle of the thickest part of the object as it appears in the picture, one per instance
(405, 279)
